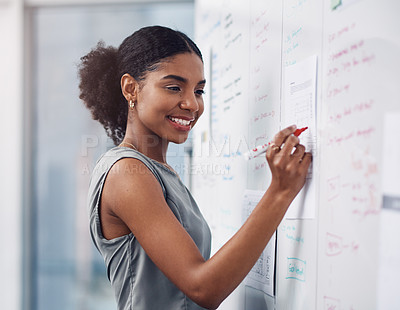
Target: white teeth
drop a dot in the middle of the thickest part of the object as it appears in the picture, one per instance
(180, 121)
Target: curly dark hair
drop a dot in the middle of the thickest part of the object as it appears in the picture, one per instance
(100, 72)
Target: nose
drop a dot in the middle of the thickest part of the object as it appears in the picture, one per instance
(190, 102)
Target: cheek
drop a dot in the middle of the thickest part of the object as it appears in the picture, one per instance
(151, 107)
(201, 107)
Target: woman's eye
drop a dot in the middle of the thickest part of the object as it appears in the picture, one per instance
(200, 92)
(173, 88)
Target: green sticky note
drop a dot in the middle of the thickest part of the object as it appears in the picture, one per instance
(335, 4)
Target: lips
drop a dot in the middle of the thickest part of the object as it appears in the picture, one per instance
(181, 123)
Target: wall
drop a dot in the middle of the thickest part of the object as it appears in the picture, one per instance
(11, 96)
(17, 95)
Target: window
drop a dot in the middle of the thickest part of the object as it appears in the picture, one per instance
(66, 271)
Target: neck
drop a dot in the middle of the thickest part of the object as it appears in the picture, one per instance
(151, 146)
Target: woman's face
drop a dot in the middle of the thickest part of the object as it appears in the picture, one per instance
(170, 99)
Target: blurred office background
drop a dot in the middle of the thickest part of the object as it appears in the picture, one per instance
(50, 144)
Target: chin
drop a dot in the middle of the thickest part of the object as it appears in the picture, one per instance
(179, 139)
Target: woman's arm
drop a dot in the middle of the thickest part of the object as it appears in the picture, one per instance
(137, 200)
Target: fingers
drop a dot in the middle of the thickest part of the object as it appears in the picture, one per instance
(281, 136)
(290, 143)
(272, 150)
(279, 140)
(283, 142)
(288, 161)
(288, 147)
(299, 152)
(299, 156)
(306, 160)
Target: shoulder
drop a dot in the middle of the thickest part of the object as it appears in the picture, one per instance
(128, 188)
(131, 167)
(133, 195)
(128, 172)
(132, 171)
(125, 162)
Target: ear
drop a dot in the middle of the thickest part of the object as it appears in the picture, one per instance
(129, 87)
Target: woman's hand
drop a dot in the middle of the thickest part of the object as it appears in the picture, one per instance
(288, 162)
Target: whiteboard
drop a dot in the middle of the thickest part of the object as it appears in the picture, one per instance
(248, 48)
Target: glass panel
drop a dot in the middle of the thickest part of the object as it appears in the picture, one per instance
(68, 272)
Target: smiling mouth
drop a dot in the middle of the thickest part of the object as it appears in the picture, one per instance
(180, 121)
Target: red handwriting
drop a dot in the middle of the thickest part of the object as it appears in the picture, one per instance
(365, 132)
(341, 32)
(262, 32)
(261, 98)
(337, 90)
(367, 202)
(339, 139)
(346, 51)
(333, 187)
(337, 117)
(356, 186)
(331, 303)
(365, 213)
(258, 17)
(263, 165)
(263, 115)
(359, 133)
(372, 169)
(335, 245)
(350, 64)
(262, 36)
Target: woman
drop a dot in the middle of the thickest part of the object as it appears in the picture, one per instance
(143, 220)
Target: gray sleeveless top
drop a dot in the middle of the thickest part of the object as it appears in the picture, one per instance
(137, 282)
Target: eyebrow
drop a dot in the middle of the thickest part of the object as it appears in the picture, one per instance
(181, 79)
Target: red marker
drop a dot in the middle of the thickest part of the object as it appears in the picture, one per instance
(263, 148)
(299, 131)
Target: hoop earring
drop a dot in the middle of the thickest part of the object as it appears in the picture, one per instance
(131, 104)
